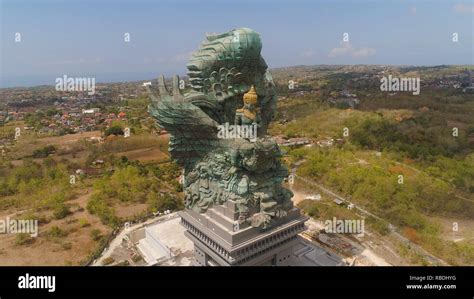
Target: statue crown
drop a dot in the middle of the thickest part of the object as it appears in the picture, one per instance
(251, 96)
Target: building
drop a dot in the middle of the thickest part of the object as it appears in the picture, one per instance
(220, 240)
(75, 113)
(91, 111)
(152, 249)
(313, 197)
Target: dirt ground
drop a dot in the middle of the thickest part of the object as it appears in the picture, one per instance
(464, 232)
(77, 244)
(145, 155)
(45, 250)
(29, 143)
(68, 250)
(69, 138)
(124, 211)
(79, 157)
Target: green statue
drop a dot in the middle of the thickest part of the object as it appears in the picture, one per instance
(231, 91)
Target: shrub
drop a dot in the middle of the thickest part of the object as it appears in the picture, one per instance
(42, 219)
(60, 210)
(379, 226)
(116, 130)
(44, 152)
(83, 222)
(99, 207)
(96, 234)
(56, 232)
(313, 211)
(161, 203)
(23, 239)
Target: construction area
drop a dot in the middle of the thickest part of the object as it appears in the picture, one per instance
(161, 242)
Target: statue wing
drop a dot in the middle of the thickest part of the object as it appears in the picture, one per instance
(193, 133)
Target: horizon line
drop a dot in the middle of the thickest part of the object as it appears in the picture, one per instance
(112, 81)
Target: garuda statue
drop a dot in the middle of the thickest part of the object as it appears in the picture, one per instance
(218, 130)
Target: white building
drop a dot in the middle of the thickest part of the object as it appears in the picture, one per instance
(90, 111)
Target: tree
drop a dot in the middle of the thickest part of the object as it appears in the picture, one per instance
(60, 210)
(116, 130)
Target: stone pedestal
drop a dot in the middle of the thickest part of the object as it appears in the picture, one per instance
(219, 239)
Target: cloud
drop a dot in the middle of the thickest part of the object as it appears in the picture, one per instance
(413, 10)
(363, 52)
(463, 8)
(346, 49)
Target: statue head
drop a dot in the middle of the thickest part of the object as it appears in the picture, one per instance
(240, 43)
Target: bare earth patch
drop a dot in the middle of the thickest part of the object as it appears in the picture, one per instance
(45, 250)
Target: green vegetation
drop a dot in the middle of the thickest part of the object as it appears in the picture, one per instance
(96, 234)
(35, 185)
(426, 140)
(56, 232)
(24, 239)
(389, 136)
(325, 210)
(133, 183)
(7, 131)
(380, 226)
(60, 210)
(83, 222)
(116, 130)
(374, 183)
(34, 119)
(410, 137)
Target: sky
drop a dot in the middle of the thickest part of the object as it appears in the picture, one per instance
(86, 38)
